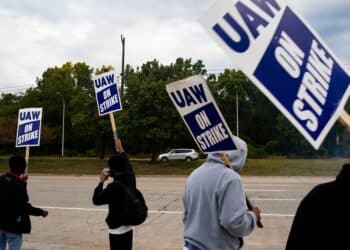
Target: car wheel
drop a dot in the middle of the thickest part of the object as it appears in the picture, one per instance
(164, 159)
(188, 159)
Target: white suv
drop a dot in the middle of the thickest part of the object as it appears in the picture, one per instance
(179, 154)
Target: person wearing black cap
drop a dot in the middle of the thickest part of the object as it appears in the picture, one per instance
(322, 219)
(14, 205)
(120, 236)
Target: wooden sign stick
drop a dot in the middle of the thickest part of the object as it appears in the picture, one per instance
(27, 158)
(114, 130)
(228, 164)
(344, 119)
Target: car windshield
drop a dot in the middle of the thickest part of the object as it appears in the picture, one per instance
(177, 151)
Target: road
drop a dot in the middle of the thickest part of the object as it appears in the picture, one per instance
(74, 223)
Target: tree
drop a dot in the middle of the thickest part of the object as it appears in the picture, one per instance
(149, 122)
(149, 119)
(256, 114)
(9, 104)
(94, 130)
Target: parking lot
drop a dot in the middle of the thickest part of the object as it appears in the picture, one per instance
(75, 223)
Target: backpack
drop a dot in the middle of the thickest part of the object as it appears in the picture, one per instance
(135, 210)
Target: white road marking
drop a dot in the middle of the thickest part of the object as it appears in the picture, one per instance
(76, 208)
(262, 199)
(265, 185)
(277, 215)
(150, 211)
(265, 190)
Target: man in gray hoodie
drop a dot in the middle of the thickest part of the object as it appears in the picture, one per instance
(216, 215)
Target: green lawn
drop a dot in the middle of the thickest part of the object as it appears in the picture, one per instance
(84, 166)
(285, 167)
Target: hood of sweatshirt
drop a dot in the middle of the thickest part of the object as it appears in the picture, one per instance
(236, 157)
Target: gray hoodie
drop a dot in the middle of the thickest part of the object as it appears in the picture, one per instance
(215, 209)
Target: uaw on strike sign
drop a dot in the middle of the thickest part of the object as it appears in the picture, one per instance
(285, 59)
(29, 127)
(107, 94)
(196, 105)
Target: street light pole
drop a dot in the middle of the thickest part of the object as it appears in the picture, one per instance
(63, 116)
(237, 125)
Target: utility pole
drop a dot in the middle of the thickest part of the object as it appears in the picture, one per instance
(123, 64)
(63, 116)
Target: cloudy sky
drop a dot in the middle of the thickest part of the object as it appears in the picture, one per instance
(36, 34)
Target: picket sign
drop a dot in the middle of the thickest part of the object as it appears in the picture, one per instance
(29, 129)
(286, 59)
(107, 93)
(198, 109)
(108, 98)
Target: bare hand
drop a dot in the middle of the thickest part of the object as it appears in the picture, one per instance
(257, 213)
(103, 177)
(24, 177)
(45, 213)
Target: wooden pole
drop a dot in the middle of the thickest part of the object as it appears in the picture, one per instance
(227, 162)
(344, 119)
(27, 158)
(224, 157)
(114, 130)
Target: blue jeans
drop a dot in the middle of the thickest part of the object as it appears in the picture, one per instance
(14, 241)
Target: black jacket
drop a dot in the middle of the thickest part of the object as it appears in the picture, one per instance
(115, 196)
(322, 219)
(14, 206)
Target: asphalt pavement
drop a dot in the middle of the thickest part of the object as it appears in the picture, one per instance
(75, 223)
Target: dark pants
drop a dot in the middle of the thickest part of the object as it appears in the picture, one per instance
(121, 241)
(190, 246)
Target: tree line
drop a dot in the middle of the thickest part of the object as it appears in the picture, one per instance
(149, 123)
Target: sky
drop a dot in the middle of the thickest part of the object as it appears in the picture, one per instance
(36, 34)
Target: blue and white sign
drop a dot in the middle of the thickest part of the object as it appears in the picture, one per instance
(285, 58)
(107, 94)
(196, 105)
(29, 127)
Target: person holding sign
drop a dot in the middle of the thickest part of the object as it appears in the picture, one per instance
(15, 208)
(216, 215)
(116, 195)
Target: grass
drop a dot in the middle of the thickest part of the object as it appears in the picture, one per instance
(295, 167)
(258, 167)
(87, 166)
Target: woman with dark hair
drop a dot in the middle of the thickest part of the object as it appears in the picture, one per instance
(115, 195)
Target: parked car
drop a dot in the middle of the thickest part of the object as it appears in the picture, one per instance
(179, 154)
